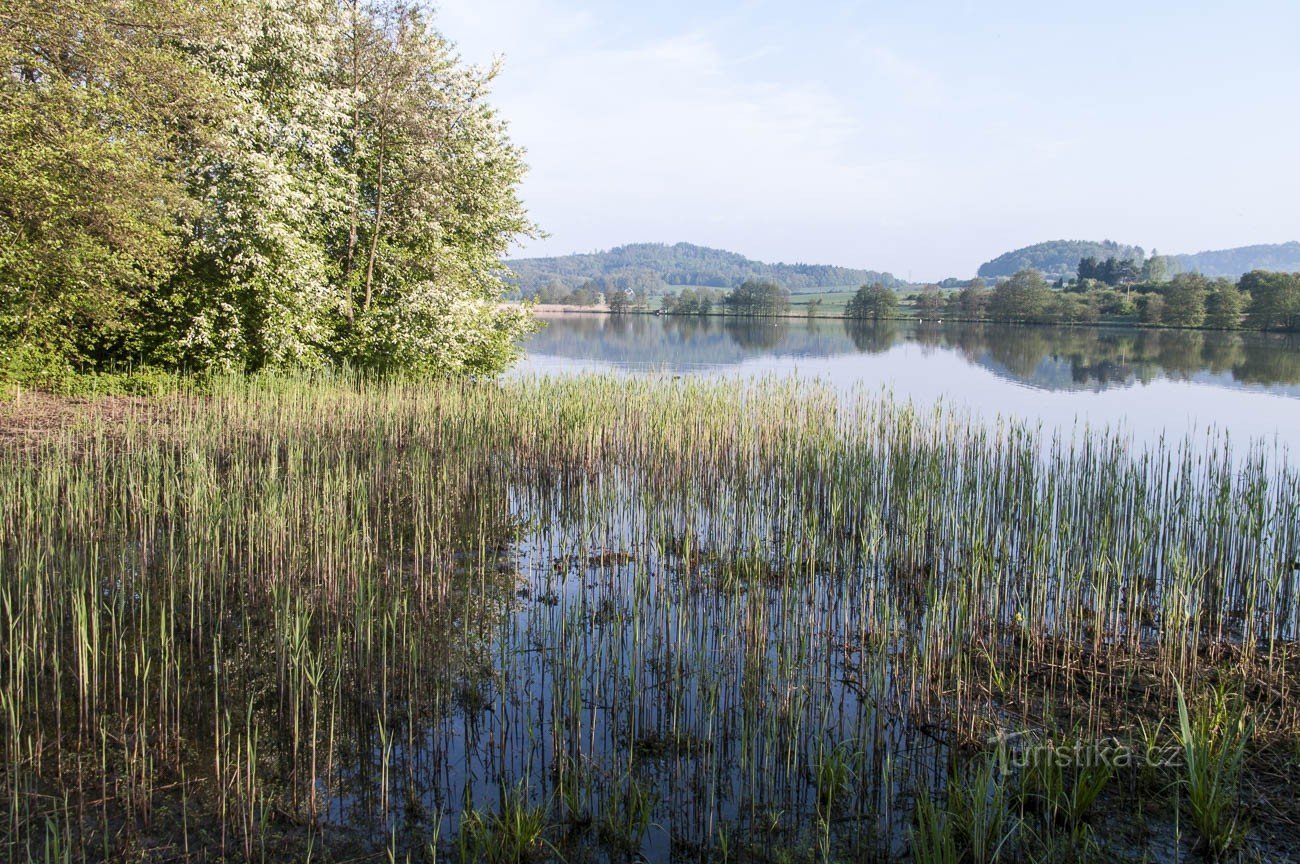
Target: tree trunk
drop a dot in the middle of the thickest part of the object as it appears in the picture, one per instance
(355, 216)
(374, 234)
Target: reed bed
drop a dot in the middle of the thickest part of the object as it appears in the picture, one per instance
(595, 618)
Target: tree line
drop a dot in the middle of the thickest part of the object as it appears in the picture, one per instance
(1259, 300)
(243, 184)
(1083, 356)
(754, 297)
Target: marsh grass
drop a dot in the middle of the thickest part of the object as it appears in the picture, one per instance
(1214, 734)
(1064, 784)
(934, 836)
(980, 805)
(291, 614)
(516, 833)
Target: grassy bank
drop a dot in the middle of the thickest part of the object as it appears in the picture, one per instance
(593, 618)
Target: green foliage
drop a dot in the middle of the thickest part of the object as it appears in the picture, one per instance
(873, 301)
(1071, 308)
(1058, 257)
(26, 367)
(1185, 300)
(934, 837)
(833, 774)
(1112, 302)
(254, 291)
(1063, 258)
(681, 264)
(977, 825)
(973, 299)
(694, 301)
(178, 558)
(515, 834)
(1274, 299)
(619, 301)
(1114, 271)
(929, 302)
(1151, 308)
(1024, 297)
(759, 297)
(1225, 305)
(253, 184)
(1213, 736)
(1065, 793)
(628, 813)
(98, 103)
(1157, 268)
(980, 804)
(1188, 300)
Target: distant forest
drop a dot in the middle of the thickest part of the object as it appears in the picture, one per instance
(1232, 263)
(1060, 258)
(654, 268)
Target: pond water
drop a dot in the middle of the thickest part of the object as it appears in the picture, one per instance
(1150, 383)
(596, 621)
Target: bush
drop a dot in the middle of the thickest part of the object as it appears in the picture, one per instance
(28, 368)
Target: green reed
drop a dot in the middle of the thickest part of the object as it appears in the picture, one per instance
(1214, 734)
(295, 614)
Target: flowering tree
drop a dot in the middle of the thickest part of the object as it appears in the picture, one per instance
(252, 184)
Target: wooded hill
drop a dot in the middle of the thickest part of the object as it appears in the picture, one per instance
(1057, 258)
(651, 266)
(1060, 258)
(1232, 263)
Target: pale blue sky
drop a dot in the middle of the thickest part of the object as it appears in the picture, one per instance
(921, 138)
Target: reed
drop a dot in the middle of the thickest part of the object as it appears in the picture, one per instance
(934, 838)
(1214, 734)
(316, 613)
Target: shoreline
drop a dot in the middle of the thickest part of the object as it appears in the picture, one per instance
(556, 310)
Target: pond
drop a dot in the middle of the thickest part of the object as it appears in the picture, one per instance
(661, 617)
(1148, 382)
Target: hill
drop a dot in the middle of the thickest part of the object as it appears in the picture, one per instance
(1232, 263)
(682, 264)
(1061, 258)
(1057, 257)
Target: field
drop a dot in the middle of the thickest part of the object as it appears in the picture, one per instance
(833, 300)
(833, 303)
(596, 619)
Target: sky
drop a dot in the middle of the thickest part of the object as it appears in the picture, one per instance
(922, 138)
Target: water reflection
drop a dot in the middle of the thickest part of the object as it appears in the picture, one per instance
(1048, 358)
(872, 337)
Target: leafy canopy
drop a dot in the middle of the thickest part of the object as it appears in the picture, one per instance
(873, 301)
(243, 184)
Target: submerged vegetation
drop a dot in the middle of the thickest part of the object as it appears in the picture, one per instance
(588, 618)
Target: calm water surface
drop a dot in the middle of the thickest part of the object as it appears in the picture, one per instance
(1148, 382)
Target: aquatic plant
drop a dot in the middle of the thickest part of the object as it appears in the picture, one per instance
(328, 614)
(1214, 733)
